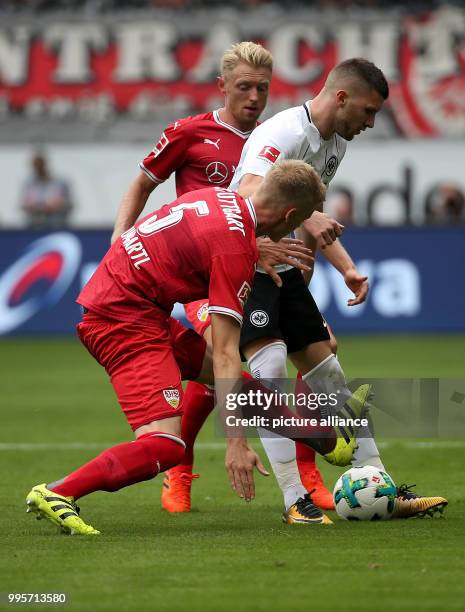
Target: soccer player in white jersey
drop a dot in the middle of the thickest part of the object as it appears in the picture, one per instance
(286, 321)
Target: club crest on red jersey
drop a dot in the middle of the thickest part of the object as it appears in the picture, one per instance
(202, 312)
(243, 293)
(269, 153)
(172, 396)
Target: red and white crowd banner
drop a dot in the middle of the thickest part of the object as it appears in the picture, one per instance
(136, 66)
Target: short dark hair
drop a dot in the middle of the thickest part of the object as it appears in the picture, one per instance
(364, 70)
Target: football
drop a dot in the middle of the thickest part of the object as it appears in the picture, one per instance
(365, 494)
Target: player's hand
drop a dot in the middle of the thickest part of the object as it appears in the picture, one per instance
(358, 284)
(288, 251)
(324, 229)
(240, 463)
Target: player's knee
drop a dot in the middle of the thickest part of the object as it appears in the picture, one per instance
(175, 456)
(163, 450)
(140, 460)
(270, 361)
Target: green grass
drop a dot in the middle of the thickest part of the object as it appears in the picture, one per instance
(225, 555)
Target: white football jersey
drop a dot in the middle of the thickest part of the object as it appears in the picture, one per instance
(290, 134)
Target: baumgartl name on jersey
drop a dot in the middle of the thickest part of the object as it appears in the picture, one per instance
(132, 244)
(231, 210)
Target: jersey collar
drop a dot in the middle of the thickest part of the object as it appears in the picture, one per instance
(251, 209)
(313, 134)
(216, 117)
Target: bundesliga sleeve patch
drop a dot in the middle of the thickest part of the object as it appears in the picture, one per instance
(269, 153)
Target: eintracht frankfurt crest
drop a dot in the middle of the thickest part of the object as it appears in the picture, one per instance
(331, 166)
(172, 396)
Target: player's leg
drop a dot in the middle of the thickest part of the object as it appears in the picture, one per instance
(323, 374)
(147, 382)
(310, 475)
(198, 403)
(308, 470)
(266, 353)
(309, 344)
(306, 455)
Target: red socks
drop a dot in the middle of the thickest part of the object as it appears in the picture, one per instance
(124, 465)
(199, 401)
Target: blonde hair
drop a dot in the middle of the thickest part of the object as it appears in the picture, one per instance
(248, 52)
(293, 182)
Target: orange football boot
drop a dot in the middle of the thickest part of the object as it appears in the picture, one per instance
(313, 482)
(176, 492)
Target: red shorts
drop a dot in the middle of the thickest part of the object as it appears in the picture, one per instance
(197, 314)
(146, 363)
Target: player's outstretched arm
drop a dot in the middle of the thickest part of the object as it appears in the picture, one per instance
(337, 255)
(132, 204)
(310, 243)
(323, 228)
(240, 458)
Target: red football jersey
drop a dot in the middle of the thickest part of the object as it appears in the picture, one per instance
(201, 245)
(202, 150)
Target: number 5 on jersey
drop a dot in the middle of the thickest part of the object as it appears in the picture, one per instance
(153, 225)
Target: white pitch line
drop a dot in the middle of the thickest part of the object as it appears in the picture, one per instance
(66, 446)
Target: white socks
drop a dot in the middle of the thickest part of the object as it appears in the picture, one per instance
(328, 377)
(367, 452)
(270, 362)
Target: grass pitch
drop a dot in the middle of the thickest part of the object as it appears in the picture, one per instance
(58, 411)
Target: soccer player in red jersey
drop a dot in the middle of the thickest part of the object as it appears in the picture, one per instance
(200, 246)
(203, 151)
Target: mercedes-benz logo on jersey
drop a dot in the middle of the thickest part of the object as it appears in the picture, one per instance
(52, 260)
(331, 166)
(259, 318)
(217, 172)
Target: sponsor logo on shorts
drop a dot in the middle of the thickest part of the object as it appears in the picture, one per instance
(172, 396)
(271, 154)
(244, 292)
(202, 312)
(259, 318)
